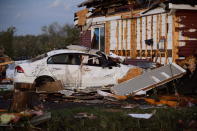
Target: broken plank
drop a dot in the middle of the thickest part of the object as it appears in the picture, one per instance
(149, 80)
(6, 63)
(40, 119)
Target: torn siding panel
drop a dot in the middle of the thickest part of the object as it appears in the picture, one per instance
(119, 34)
(143, 26)
(170, 26)
(117, 38)
(129, 34)
(149, 30)
(133, 38)
(113, 40)
(124, 35)
(163, 25)
(155, 27)
(138, 34)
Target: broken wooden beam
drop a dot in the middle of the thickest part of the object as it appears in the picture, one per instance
(6, 63)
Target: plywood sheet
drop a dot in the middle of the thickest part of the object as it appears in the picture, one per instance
(113, 40)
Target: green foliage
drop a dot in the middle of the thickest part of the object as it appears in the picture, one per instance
(54, 36)
(6, 40)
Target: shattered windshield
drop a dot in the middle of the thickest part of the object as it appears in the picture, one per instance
(39, 57)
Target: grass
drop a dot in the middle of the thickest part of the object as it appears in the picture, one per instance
(116, 119)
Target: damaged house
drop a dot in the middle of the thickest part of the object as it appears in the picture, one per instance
(162, 31)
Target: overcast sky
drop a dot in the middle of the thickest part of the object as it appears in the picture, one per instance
(28, 16)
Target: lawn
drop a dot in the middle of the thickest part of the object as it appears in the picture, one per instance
(117, 119)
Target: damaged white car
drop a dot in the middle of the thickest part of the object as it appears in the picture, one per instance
(75, 69)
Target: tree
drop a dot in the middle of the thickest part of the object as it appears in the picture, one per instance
(6, 40)
(61, 36)
(54, 36)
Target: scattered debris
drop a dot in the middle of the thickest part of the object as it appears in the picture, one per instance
(143, 116)
(7, 118)
(40, 118)
(66, 92)
(172, 101)
(130, 106)
(113, 110)
(106, 94)
(160, 102)
(85, 115)
(36, 117)
(116, 58)
(144, 107)
(6, 87)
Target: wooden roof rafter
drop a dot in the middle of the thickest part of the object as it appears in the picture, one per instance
(98, 3)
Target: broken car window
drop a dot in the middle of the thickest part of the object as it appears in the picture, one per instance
(100, 60)
(91, 60)
(70, 59)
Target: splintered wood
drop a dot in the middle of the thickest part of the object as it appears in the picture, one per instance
(82, 16)
(131, 74)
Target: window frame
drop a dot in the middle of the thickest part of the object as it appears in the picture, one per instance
(63, 63)
(99, 41)
(95, 65)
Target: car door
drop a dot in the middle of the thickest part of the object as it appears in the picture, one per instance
(65, 67)
(94, 75)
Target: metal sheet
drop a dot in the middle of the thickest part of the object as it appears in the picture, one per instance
(149, 80)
